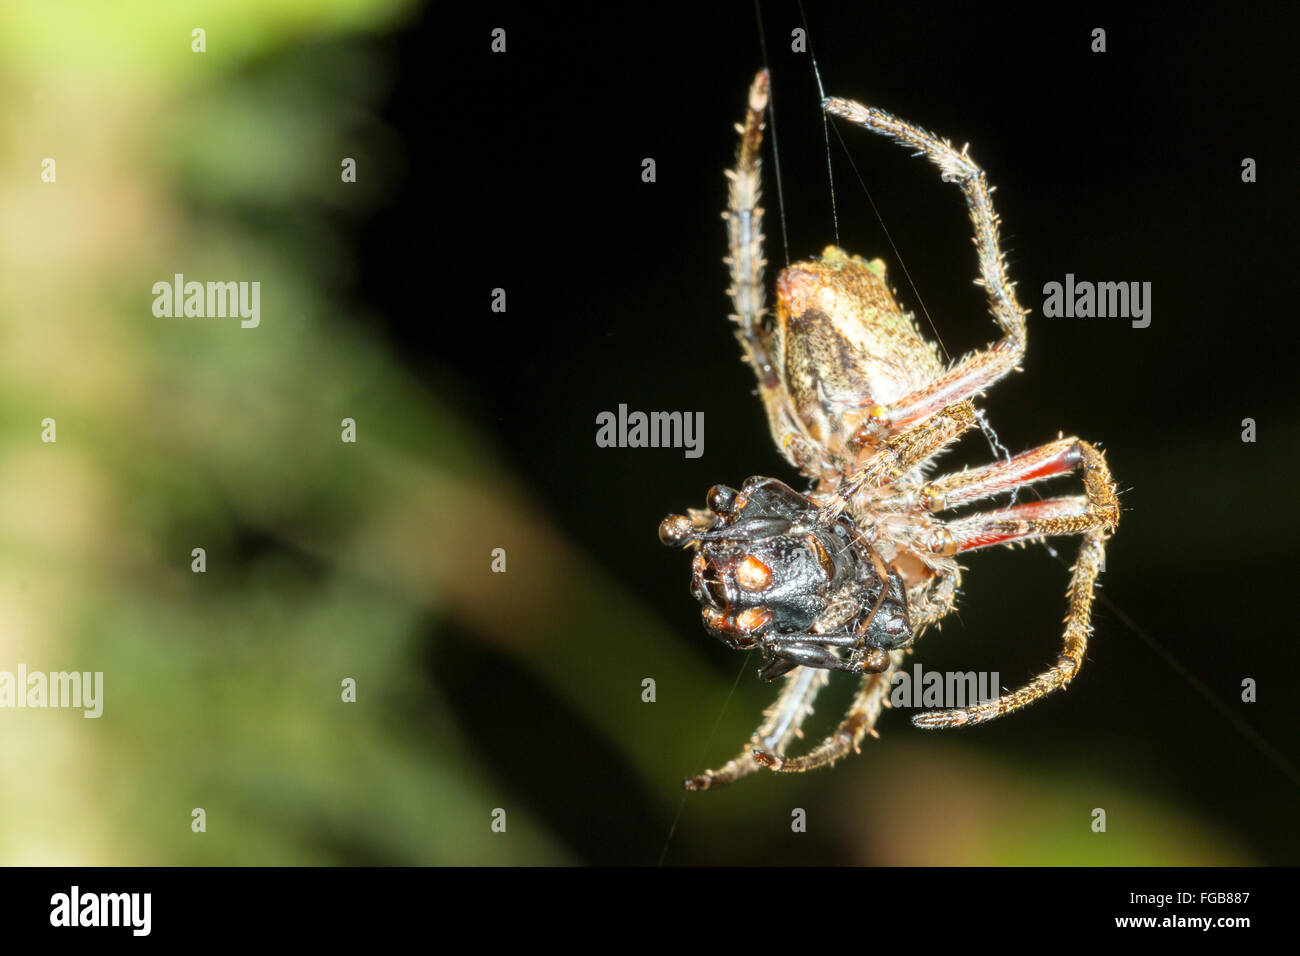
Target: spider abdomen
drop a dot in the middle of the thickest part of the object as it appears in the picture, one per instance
(844, 346)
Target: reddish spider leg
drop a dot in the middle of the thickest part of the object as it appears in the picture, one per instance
(781, 724)
(1094, 515)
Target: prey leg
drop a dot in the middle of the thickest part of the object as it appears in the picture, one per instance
(860, 720)
(781, 724)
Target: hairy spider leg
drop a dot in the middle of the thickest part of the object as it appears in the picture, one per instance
(902, 453)
(1094, 515)
(973, 374)
(745, 263)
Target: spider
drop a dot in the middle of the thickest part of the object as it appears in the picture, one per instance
(848, 575)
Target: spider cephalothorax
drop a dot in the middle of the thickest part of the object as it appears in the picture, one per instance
(846, 576)
(772, 572)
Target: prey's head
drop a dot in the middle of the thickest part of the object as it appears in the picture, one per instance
(763, 561)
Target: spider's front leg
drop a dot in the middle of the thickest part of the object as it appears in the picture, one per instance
(745, 263)
(978, 371)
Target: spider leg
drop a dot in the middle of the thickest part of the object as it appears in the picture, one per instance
(745, 263)
(744, 221)
(896, 457)
(978, 371)
(1095, 516)
(781, 723)
(860, 720)
(974, 484)
(1035, 519)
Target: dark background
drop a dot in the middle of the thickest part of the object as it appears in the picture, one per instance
(523, 172)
